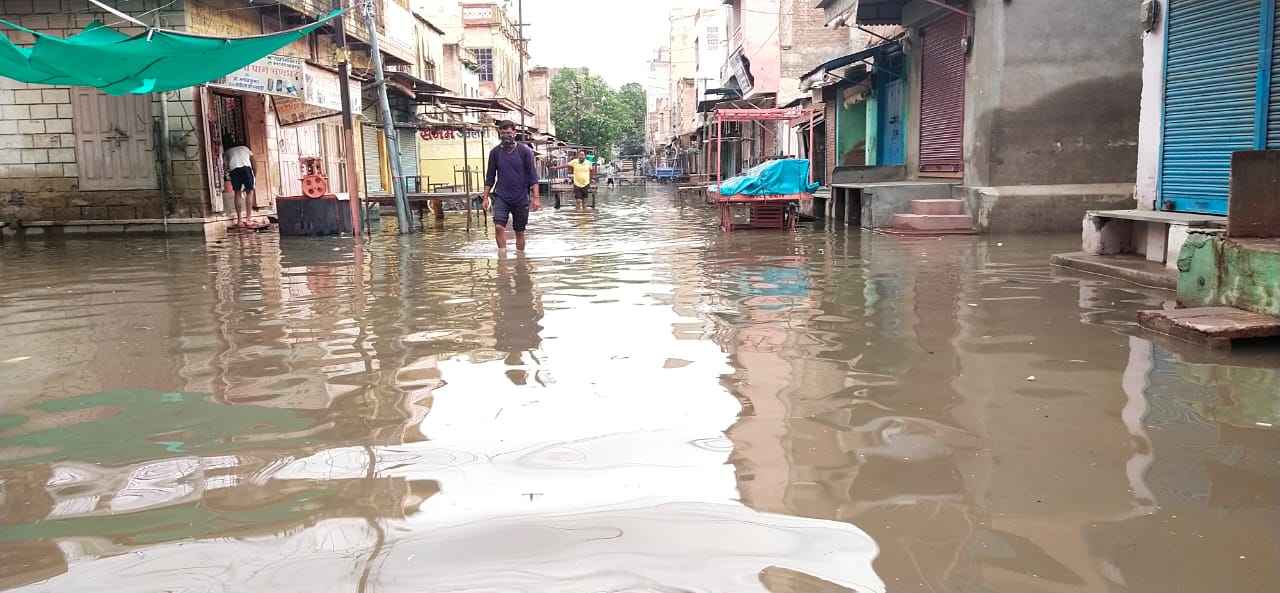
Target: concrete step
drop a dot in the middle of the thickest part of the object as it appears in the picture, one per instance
(958, 191)
(932, 222)
(937, 206)
(1212, 327)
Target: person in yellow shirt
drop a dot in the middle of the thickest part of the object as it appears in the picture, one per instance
(583, 171)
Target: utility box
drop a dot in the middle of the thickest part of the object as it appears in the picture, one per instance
(303, 216)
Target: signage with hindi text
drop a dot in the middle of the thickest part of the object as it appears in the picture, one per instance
(273, 75)
(321, 98)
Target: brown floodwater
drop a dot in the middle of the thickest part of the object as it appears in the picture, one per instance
(640, 403)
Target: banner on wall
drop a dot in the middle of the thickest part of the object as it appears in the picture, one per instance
(280, 76)
(321, 98)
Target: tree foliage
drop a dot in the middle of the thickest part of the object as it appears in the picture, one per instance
(633, 101)
(587, 111)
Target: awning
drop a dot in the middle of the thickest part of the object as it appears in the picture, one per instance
(406, 85)
(155, 61)
(413, 85)
(726, 94)
(850, 59)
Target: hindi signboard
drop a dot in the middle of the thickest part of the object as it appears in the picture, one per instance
(321, 98)
(273, 75)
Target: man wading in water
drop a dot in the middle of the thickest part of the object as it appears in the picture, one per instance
(512, 173)
(582, 172)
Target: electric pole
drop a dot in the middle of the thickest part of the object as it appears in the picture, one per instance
(388, 127)
(577, 108)
(520, 30)
(348, 123)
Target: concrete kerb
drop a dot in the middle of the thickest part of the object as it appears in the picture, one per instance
(1042, 208)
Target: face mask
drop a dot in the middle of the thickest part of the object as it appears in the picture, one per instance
(581, 160)
(508, 142)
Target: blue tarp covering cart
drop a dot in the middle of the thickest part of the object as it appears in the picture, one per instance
(772, 190)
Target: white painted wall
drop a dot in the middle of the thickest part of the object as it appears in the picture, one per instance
(1149, 122)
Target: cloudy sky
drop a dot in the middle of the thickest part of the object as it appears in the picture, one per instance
(614, 38)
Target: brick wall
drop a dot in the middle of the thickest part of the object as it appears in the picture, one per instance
(39, 170)
(811, 43)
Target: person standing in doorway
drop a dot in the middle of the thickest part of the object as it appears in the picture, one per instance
(239, 161)
(582, 170)
(511, 174)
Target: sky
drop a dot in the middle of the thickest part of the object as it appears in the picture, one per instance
(614, 38)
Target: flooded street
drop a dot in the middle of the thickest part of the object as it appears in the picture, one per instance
(639, 404)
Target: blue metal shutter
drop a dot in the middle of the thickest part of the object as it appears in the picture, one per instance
(1273, 129)
(1210, 95)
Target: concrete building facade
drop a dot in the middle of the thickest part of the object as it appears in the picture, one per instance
(1035, 121)
(58, 177)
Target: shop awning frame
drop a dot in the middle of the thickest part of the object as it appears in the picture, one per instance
(866, 56)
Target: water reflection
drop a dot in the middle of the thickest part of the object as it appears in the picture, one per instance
(639, 403)
(516, 312)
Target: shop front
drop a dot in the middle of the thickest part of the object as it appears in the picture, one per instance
(311, 127)
(1221, 95)
(237, 110)
(286, 111)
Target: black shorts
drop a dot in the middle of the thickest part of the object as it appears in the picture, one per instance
(580, 193)
(242, 179)
(519, 214)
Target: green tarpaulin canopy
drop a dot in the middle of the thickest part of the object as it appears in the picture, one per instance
(155, 61)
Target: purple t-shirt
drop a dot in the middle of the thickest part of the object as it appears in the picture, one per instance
(515, 172)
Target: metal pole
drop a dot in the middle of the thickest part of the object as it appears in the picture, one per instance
(166, 154)
(348, 125)
(577, 108)
(719, 148)
(706, 154)
(811, 148)
(388, 127)
(466, 168)
(166, 160)
(520, 29)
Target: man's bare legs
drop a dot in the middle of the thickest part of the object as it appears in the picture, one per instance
(500, 233)
(240, 199)
(501, 236)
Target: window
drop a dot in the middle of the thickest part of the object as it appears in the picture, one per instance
(713, 36)
(484, 56)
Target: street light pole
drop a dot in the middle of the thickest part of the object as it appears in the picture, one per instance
(388, 127)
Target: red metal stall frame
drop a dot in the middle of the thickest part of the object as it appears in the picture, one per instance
(789, 115)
